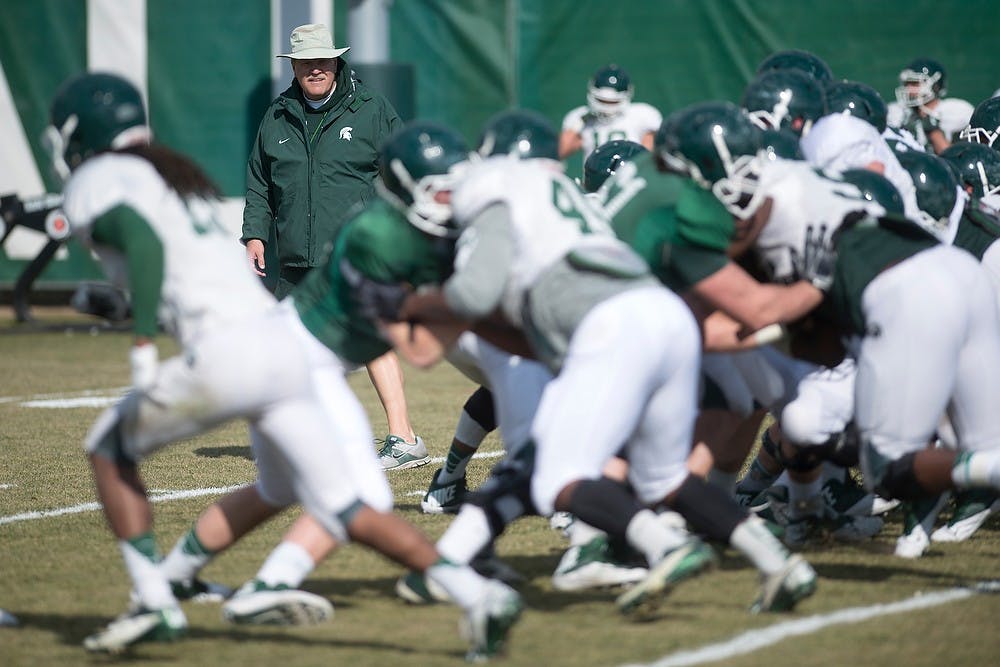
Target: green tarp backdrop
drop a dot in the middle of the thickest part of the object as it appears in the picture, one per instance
(208, 64)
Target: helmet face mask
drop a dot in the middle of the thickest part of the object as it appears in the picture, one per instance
(92, 113)
(417, 165)
(609, 91)
(717, 146)
(921, 81)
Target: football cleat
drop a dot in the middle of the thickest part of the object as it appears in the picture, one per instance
(398, 454)
(593, 565)
(256, 603)
(561, 521)
(972, 509)
(918, 520)
(685, 562)
(487, 624)
(783, 590)
(444, 498)
(199, 591)
(138, 625)
(849, 498)
(416, 588)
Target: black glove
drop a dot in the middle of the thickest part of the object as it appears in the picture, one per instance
(375, 300)
(930, 123)
(819, 258)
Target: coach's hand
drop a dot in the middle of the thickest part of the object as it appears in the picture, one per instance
(255, 253)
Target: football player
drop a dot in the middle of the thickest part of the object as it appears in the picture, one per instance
(978, 168)
(146, 211)
(850, 137)
(784, 99)
(889, 278)
(609, 114)
(922, 108)
(588, 307)
(797, 59)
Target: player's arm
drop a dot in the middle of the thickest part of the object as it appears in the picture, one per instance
(422, 345)
(648, 139)
(721, 333)
(570, 141)
(123, 229)
(756, 305)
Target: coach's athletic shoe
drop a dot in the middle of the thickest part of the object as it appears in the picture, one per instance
(256, 603)
(686, 561)
(415, 588)
(972, 508)
(199, 591)
(444, 498)
(398, 454)
(783, 590)
(488, 623)
(138, 625)
(8, 619)
(918, 520)
(593, 565)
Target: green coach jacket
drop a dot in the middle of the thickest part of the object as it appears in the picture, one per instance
(308, 184)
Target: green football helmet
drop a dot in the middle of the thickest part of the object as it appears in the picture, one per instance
(984, 125)
(716, 144)
(936, 184)
(520, 133)
(415, 164)
(977, 166)
(875, 188)
(796, 59)
(609, 91)
(782, 144)
(606, 159)
(784, 98)
(920, 82)
(859, 100)
(92, 113)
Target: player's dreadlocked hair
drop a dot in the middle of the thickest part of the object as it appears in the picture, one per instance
(179, 171)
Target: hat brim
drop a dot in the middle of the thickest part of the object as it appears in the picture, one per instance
(318, 52)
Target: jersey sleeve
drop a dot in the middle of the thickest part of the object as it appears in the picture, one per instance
(573, 120)
(484, 254)
(125, 230)
(649, 117)
(485, 184)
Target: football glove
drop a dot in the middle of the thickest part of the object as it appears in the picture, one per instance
(819, 258)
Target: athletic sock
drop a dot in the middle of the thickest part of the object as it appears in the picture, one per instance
(652, 537)
(581, 533)
(977, 469)
(757, 478)
(186, 559)
(457, 461)
(142, 560)
(466, 536)
(461, 582)
(752, 539)
(288, 564)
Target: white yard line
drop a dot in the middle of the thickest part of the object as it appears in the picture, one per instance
(753, 640)
(115, 392)
(159, 497)
(92, 507)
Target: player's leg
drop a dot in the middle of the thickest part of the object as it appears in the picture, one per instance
(402, 447)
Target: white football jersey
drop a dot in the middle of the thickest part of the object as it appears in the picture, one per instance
(543, 234)
(207, 279)
(952, 113)
(806, 207)
(839, 142)
(634, 122)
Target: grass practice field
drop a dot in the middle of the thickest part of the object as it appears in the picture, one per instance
(62, 575)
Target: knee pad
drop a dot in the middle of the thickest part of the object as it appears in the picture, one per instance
(105, 436)
(898, 481)
(479, 407)
(506, 493)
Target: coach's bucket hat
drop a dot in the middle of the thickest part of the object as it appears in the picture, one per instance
(313, 40)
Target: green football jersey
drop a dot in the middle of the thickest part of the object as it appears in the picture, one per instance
(679, 228)
(864, 250)
(977, 231)
(380, 245)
